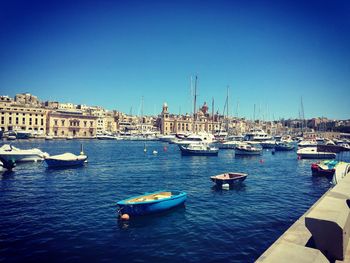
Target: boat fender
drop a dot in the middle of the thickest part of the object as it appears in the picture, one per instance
(226, 186)
(125, 217)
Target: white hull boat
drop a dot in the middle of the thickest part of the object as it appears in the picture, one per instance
(312, 153)
(9, 153)
(247, 149)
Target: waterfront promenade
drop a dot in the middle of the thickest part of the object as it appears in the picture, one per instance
(321, 234)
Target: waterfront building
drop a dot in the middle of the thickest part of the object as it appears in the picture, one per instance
(15, 116)
(62, 124)
(170, 123)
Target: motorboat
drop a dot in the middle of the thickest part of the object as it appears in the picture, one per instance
(324, 168)
(230, 178)
(312, 153)
(151, 202)
(307, 143)
(14, 154)
(195, 138)
(65, 160)
(284, 146)
(105, 137)
(268, 144)
(167, 138)
(257, 134)
(199, 149)
(248, 149)
(342, 170)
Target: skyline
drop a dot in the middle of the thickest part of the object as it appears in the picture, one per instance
(113, 53)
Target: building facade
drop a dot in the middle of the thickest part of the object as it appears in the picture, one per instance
(62, 124)
(22, 117)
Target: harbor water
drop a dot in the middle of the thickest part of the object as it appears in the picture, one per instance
(70, 215)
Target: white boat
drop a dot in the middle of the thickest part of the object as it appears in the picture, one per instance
(9, 153)
(247, 149)
(195, 138)
(69, 138)
(257, 135)
(312, 153)
(268, 144)
(105, 137)
(167, 138)
(307, 143)
(48, 137)
(341, 170)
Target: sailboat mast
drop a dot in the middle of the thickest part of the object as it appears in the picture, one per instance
(227, 109)
(194, 102)
(212, 116)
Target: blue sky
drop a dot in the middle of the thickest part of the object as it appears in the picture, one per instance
(111, 53)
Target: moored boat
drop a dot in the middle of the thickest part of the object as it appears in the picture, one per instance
(324, 168)
(312, 153)
(13, 154)
(284, 146)
(341, 171)
(65, 160)
(230, 178)
(247, 149)
(151, 202)
(202, 149)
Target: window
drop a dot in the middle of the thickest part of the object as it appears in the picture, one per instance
(2, 120)
(36, 121)
(85, 123)
(30, 121)
(62, 121)
(23, 120)
(10, 120)
(16, 120)
(42, 122)
(55, 122)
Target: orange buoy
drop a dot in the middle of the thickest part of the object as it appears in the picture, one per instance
(165, 148)
(125, 217)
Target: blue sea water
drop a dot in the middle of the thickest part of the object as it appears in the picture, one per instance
(69, 215)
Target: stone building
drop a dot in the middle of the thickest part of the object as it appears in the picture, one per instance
(170, 123)
(15, 116)
(62, 124)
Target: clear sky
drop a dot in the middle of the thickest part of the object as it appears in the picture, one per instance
(113, 53)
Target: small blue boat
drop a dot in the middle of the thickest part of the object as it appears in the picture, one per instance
(150, 203)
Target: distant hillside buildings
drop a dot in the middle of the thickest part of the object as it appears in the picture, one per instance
(26, 112)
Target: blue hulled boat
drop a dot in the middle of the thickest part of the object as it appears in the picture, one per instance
(150, 203)
(202, 149)
(65, 160)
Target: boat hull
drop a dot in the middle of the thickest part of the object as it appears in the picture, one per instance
(151, 207)
(316, 155)
(247, 152)
(219, 181)
(59, 163)
(22, 157)
(188, 152)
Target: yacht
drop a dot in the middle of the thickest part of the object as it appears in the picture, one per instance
(312, 153)
(195, 138)
(9, 153)
(257, 135)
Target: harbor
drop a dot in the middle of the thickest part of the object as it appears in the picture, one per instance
(72, 213)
